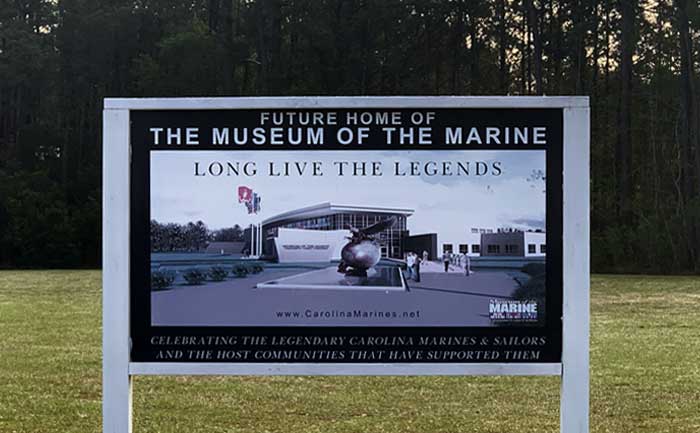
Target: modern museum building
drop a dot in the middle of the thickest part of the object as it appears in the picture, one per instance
(317, 233)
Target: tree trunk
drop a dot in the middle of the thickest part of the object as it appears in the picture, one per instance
(475, 75)
(688, 131)
(579, 49)
(623, 150)
(688, 105)
(595, 55)
(502, 48)
(213, 9)
(556, 33)
(524, 78)
(535, 20)
(458, 49)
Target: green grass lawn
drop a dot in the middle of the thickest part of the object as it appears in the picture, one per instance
(645, 374)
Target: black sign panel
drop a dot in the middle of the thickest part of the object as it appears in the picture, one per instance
(346, 235)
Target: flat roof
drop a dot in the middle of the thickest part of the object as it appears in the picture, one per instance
(328, 208)
(516, 232)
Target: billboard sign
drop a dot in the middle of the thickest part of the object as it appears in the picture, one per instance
(346, 235)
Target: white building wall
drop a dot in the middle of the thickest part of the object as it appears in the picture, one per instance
(537, 239)
(471, 239)
(467, 238)
(299, 245)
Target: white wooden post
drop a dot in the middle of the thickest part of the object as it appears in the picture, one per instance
(116, 382)
(575, 359)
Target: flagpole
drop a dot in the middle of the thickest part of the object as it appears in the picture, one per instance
(257, 228)
(252, 202)
(252, 240)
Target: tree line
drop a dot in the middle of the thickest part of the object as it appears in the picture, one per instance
(190, 237)
(636, 59)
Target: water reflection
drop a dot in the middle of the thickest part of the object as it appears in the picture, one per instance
(380, 276)
(384, 276)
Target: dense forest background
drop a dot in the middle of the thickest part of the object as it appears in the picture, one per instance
(637, 60)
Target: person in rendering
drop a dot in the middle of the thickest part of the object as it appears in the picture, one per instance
(446, 261)
(416, 267)
(425, 256)
(466, 264)
(410, 261)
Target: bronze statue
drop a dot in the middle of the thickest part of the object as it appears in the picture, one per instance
(363, 250)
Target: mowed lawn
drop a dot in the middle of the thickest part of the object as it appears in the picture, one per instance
(645, 374)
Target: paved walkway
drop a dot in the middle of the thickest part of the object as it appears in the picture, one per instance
(440, 299)
(433, 267)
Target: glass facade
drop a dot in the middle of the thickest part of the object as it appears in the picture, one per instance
(389, 239)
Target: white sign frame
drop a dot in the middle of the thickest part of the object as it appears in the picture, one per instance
(118, 370)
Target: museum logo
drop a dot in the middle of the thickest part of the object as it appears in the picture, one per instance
(507, 310)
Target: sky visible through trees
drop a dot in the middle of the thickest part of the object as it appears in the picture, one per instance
(637, 60)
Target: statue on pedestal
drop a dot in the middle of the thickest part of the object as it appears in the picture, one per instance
(363, 251)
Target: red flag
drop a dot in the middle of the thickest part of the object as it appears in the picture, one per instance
(245, 194)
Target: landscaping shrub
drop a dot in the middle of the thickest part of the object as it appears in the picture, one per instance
(217, 273)
(161, 280)
(194, 276)
(256, 268)
(534, 269)
(240, 271)
(534, 290)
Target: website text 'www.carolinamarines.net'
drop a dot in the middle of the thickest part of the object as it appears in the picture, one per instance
(346, 314)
